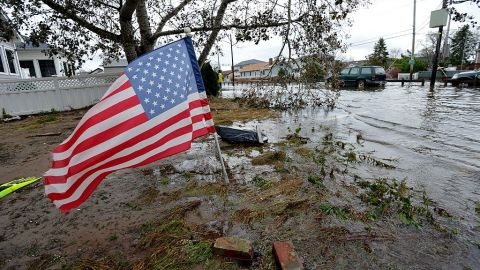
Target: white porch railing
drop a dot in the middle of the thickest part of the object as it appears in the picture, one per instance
(30, 96)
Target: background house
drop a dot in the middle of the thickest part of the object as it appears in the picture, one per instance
(114, 66)
(36, 63)
(9, 65)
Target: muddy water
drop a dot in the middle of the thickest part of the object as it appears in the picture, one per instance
(434, 138)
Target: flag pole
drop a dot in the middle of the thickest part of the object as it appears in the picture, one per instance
(188, 32)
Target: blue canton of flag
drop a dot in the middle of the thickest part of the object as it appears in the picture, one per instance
(164, 78)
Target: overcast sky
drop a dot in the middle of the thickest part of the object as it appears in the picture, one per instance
(390, 19)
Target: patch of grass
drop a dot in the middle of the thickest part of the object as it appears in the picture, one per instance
(477, 207)
(329, 209)
(227, 111)
(269, 158)
(303, 151)
(46, 119)
(387, 196)
(316, 180)
(148, 195)
(247, 215)
(112, 237)
(164, 181)
(261, 182)
(351, 156)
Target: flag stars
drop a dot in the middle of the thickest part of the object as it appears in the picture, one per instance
(170, 81)
(157, 95)
(172, 100)
(151, 82)
(166, 62)
(168, 90)
(164, 70)
(154, 74)
(150, 58)
(140, 87)
(146, 100)
(159, 59)
(130, 69)
(179, 77)
(140, 64)
(149, 91)
(134, 76)
(175, 93)
(172, 73)
(148, 64)
(169, 55)
(170, 49)
(159, 85)
(162, 106)
(165, 98)
(152, 111)
(143, 79)
(145, 71)
(156, 66)
(182, 96)
(174, 65)
(162, 78)
(177, 85)
(155, 103)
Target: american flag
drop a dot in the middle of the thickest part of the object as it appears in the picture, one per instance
(153, 110)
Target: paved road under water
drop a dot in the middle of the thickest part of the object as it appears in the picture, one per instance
(435, 137)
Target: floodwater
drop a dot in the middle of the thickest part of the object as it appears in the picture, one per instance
(433, 137)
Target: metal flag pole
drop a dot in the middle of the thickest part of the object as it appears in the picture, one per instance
(188, 32)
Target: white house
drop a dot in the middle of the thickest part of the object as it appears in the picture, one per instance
(9, 65)
(36, 63)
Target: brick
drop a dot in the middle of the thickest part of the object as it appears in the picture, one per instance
(233, 247)
(285, 256)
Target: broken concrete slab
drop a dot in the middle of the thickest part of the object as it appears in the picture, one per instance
(285, 256)
(233, 247)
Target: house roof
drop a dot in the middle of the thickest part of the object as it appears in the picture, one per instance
(254, 67)
(226, 72)
(248, 62)
(122, 62)
(28, 45)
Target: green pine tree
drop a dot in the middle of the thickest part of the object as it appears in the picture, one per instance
(210, 79)
(462, 45)
(379, 57)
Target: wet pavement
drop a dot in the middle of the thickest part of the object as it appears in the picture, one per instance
(433, 137)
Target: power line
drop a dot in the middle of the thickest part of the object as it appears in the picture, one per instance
(376, 38)
(407, 34)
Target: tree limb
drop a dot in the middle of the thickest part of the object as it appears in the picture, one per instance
(225, 27)
(82, 22)
(167, 17)
(144, 24)
(126, 29)
(213, 35)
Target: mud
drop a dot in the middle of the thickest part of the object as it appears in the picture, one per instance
(320, 194)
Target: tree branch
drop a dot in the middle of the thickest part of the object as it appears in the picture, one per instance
(225, 27)
(82, 22)
(126, 29)
(213, 35)
(144, 24)
(167, 17)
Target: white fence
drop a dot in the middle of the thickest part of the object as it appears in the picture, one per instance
(30, 96)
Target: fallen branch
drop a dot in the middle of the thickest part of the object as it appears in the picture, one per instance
(45, 135)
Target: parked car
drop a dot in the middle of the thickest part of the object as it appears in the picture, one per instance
(362, 76)
(469, 77)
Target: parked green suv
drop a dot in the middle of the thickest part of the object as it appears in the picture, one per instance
(362, 76)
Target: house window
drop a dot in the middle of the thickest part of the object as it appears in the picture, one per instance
(31, 68)
(47, 68)
(11, 61)
(2, 69)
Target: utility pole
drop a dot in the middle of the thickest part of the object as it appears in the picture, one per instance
(412, 61)
(437, 51)
(231, 53)
(447, 34)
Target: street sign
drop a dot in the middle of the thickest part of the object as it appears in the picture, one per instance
(438, 18)
(411, 62)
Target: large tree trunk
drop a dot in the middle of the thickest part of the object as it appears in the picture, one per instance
(146, 43)
(216, 29)
(126, 29)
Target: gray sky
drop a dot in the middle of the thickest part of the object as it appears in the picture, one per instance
(390, 19)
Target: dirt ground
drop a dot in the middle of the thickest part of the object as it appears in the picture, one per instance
(167, 214)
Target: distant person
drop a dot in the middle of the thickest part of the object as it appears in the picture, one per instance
(220, 79)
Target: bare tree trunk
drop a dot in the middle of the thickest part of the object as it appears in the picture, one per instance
(216, 29)
(146, 45)
(126, 29)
